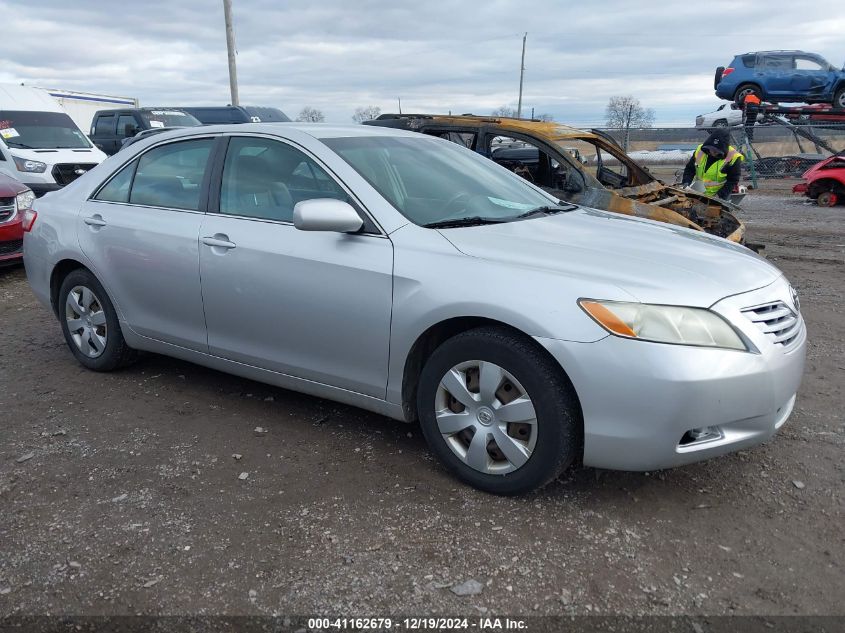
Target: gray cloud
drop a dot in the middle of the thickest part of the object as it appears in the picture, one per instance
(437, 56)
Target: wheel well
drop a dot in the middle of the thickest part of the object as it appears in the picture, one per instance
(748, 84)
(825, 184)
(435, 336)
(60, 271)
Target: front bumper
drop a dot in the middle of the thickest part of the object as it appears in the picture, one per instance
(640, 399)
(801, 187)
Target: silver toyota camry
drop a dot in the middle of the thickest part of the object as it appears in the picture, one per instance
(407, 275)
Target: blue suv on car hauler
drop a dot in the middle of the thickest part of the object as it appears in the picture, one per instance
(782, 76)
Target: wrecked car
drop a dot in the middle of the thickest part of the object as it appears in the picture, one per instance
(601, 176)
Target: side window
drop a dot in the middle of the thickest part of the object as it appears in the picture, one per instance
(171, 175)
(533, 163)
(104, 125)
(806, 63)
(265, 179)
(117, 190)
(126, 125)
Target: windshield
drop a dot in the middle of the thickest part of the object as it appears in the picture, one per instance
(25, 129)
(168, 118)
(431, 181)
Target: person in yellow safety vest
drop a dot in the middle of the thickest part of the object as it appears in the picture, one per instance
(715, 164)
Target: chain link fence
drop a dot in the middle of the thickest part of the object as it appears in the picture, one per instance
(780, 150)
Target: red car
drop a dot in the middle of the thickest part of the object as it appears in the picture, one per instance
(15, 199)
(825, 182)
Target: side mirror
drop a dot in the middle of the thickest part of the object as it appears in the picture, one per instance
(326, 214)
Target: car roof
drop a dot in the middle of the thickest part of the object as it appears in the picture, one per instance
(547, 129)
(315, 130)
(779, 52)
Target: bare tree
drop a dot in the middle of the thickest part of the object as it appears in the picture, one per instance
(504, 111)
(312, 115)
(367, 113)
(623, 113)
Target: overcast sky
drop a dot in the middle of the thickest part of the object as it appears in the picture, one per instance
(436, 55)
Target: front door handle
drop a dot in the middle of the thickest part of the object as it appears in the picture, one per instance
(218, 240)
(95, 220)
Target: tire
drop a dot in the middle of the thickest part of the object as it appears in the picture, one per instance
(839, 99)
(720, 123)
(827, 199)
(745, 89)
(515, 369)
(89, 323)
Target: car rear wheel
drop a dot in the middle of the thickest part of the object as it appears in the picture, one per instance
(89, 323)
(498, 412)
(744, 90)
(720, 123)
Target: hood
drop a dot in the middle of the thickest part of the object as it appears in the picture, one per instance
(65, 155)
(653, 262)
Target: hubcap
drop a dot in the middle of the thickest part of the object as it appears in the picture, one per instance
(86, 321)
(486, 417)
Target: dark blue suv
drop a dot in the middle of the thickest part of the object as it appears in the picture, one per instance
(782, 76)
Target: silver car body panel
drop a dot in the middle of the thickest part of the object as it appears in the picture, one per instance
(335, 315)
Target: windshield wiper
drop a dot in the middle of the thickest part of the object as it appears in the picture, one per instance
(546, 210)
(475, 220)
(18, 145)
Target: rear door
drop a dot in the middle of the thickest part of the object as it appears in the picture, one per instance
(315, 305)
(775, 72)
(140, 231)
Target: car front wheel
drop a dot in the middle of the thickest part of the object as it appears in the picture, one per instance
(498, 411)
(839, 99)
(89, 323)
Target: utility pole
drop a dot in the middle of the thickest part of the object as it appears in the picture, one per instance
(400, 104)
(521, 74)
(230, 45)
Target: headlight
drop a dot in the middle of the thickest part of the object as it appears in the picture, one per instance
(34, 166)
(663, 324)
(24, 200)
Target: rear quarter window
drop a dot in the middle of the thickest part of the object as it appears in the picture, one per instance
(749, 61)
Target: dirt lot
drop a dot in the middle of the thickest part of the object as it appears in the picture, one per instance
(131, 499)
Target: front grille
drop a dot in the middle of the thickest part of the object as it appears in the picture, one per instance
(776, 320)
(66, 172)
(7, 209)
(12, 246)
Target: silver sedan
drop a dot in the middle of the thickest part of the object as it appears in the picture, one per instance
(409, 276)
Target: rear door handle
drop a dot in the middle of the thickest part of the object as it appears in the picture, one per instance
(94, 220)
(218, 240)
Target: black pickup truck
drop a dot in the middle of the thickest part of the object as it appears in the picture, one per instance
(109, 128)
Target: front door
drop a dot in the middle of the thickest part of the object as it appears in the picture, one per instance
(140, 232)
(315, 305)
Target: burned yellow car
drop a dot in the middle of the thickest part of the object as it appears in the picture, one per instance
(586, 168)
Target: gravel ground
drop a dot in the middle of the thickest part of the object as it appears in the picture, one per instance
(150, 491)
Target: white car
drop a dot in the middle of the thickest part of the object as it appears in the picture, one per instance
(40, 145)
(726, 115)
